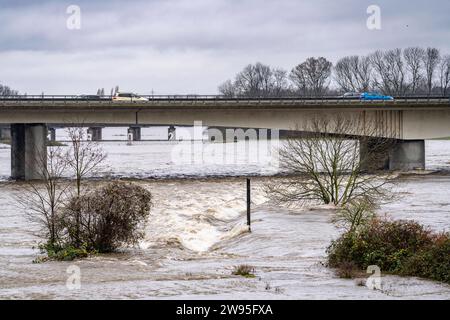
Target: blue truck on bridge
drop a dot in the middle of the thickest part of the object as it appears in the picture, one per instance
(370, 96)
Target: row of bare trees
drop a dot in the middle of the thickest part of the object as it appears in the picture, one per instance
(113, 91)
(413, 70)
(257, 80)
(6, 91)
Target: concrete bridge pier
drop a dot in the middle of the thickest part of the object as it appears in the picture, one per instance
(5, 133)
(28, 151)
(95, 133)
(216, 134)
(223, 134)
(171, 133)
(52, 134)
(402, 155)
(407, 155)
(135, 132)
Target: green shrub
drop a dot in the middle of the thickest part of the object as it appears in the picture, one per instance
(107, 218)
(100, 221)
(64, 253)
(400, 247)
(432, 262)
(244, 270)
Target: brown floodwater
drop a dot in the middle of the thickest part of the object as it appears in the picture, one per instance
(195, 236)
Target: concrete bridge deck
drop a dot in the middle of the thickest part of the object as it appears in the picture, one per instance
(408, 120)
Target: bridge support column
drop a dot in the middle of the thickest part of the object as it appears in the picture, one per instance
(407, 155)
(52, 134)
(373, 156)
(223, 134)
(95, 133)
(135, 132)
(403, 155)
(28, 151)
(217, 134)
(171, 133)
(5, 133)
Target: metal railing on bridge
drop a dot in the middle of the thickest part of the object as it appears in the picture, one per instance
(294, 99)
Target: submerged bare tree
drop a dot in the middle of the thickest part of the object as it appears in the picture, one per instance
(355, 213)
(44, 199)
(327, 166)
(84, 157)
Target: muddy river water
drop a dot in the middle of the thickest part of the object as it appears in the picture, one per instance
(196, 234)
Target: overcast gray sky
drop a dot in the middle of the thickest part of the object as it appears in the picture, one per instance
(191, 46)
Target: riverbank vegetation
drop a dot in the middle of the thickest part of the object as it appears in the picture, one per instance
(77, 221)
(100, 221)
(328, 167)
(396, 247)
(244, 270)
(331, 169)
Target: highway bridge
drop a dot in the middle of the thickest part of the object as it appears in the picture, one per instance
(408, 120)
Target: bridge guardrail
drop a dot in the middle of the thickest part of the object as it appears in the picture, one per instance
(419, 99)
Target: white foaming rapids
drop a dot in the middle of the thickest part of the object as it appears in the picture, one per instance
(197, 219)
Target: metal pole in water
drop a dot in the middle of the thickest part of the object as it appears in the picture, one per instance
(248, 204)
(130, 138)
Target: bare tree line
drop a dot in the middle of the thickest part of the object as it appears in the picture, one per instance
(6, 91)
(257, 80)
(413, 70)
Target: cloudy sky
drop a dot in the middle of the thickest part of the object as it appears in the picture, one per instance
(191, 46)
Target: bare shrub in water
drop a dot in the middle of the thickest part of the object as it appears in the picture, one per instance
(244, 270)
(44, 199)
(354, 214)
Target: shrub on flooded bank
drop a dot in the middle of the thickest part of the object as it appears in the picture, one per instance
(107, 218)
(244, 271)
(76, 222)
(62, 253)
(397, 247)
(99, 222)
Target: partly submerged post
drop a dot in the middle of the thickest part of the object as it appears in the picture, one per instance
(248, 204)
(129, 138)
